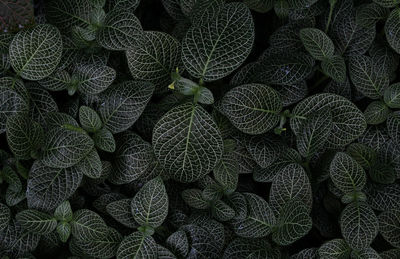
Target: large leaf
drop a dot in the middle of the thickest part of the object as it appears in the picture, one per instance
(359, 225)
(120, 31)
(315, 133)
(187, 142)
(365, 78)
(137, 246)
(94, 79)
(122, 105)
(65, 147)
(149, 207)
(317, 43)
(346, 173)
(36, 221)
(24, 136)
(389, 226)
(48, 187)
(35, 53)
(392, 29)
(205, 54)
(88, 226)
(348, 121)
(154, 58)
(259, 221)
(293, 223)
(291, 183)
(259, 104)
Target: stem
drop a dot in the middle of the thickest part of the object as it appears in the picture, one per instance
(332, 5)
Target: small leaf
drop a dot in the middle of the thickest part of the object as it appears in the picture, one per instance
(91, 165)
(178, 242)
(5, 216)
(335, 68)
(88, 226)
(104, 140)
(226, 172)
(317, 43)
(264, 149)
(222, 211)
(364, 155)
(150, 205)
(194, 198)
(121, 211)
(57, 81)
(63, 231)
(137, 245)
(36, 52)
(389, 226)
(63, 212)
(260, 104)
(376, 112)
(359, 225)
(94, 79)
(293, 223)
(89, 119)
(36, 222)
(391, 29)
(392, 96)
(334, 249)
(346, 173)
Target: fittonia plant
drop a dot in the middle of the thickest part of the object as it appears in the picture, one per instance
(201, 129)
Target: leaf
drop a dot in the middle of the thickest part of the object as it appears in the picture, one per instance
(364, 155)
(291, 183)
(387, 3)
(348, 121)
(317, 43)
(368, 15)
(376, 112)
(260, 104)
(359, 225)
(264, 149)
(94, 79)
(24, 136)
(37, 222)
(393, 126)
(63, 212)
(154, 58)
(120, 31)
(334, 249)
(244, 247)
(65, 15)
(133, 158)
(335, 68)
(311, 253)
(124, 4)
(64, 147)
(391, 29)
(178, 242)
(104, 248)
(91, 165)
(384, 197)
(365, 78)
(222, 211)
(104, 140)
(207, 57)
(259, 221)
(226, 172)
(187, 142)
(121, 211)
(5, 216)
(315, 133)
(57, 81)
(48, 187)
(391, 96)
(293, 223)
(138, 246)
(36, 52)
(261, 6)
(41, 103)
(389, 226)
(89, 119)
(202, 243)
(122, 105)
(346, 173)
(88, 226)
(149, 207)
(194, 198)
(63, 231)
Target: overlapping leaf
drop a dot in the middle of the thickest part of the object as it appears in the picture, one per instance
(389, 226)
(36, 221)
(94, 79)
(137, 245)
(88, 226)
(317, 43)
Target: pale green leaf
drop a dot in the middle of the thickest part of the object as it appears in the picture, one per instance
(207, 56)
(137, 246)
(35, 221)
(259, 104)
(63, 231)
(35, 53)
(317, 43)
(187, 142)
(63, 212)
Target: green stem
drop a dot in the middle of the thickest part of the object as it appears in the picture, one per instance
(332, 5)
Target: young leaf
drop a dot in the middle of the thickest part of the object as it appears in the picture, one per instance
(335, 67)
(154, 58)
(88, 226)
(120, 31)
(24, 136)
(178, 138)
(63, 212)
(89, 119)
(121, 211)
(64, 231)
(317, 43)
(391, 95)
(149, 207)
(137, 245)
(389, 226)
(122, 105)
(359, 225)
(94, 79)
(37, 222)
(293, 223)
(104, 140)
(207, 57)
(346, 173)
(261, 104)
(36, 52)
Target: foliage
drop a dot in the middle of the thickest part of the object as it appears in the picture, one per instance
(200, 129)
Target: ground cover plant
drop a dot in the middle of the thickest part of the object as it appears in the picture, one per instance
(200, 129)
